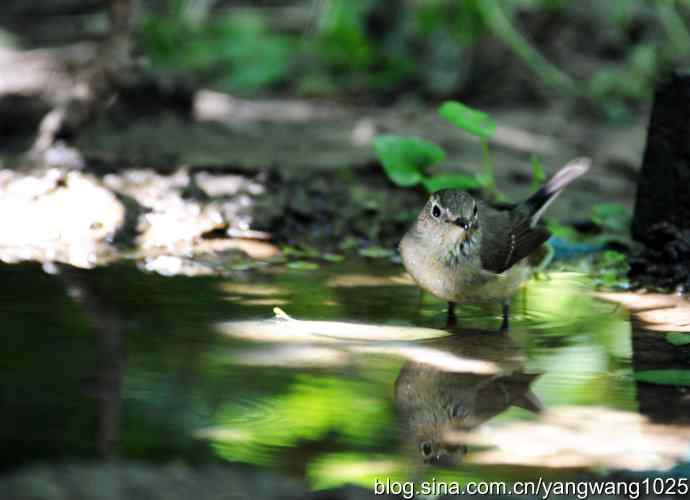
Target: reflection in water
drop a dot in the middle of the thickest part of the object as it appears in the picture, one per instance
(431, 401)
(107, 324)
(210, 374)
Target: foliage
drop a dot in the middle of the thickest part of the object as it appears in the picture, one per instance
(344, 55)
(331, 471)
(342, 39)
(481, 125)
(495, 16)
(303, 265)
(538, 175)
(376, 252)
(611, 216)
(437, 46)
(678, 339)
(471, 120)
(313, 407)
(610, 269)
(235, 52)
(407, 160)
(664, 377)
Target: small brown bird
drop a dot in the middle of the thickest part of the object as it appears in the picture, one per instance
(467, 251)
(432, 403)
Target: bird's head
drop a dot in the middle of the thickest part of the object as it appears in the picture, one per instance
(451, 217)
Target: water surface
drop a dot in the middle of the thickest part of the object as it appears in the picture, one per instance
(118, 362)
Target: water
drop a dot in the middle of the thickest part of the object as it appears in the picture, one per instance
(117, 362)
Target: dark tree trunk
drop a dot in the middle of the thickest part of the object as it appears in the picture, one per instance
(662, 210)
(111, 69)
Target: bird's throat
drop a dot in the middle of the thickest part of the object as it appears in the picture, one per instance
(463, 249)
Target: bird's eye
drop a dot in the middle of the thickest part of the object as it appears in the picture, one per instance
(426, 449)
(436, 211)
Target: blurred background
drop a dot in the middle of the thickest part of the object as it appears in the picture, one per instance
(297, 91)
(172, 170)
(603, 55)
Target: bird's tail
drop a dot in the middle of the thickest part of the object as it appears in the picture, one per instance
(540, 201)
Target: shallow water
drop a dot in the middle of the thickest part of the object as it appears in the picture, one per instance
(120, 362)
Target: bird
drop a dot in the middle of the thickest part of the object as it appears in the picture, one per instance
(434, 401)
(464, 250)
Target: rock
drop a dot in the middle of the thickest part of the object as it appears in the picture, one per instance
(56, 216)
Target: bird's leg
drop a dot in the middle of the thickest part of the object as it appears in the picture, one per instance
(452, 320)
(506, 313)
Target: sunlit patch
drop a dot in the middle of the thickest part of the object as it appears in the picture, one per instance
(255, 249)
(436, 358)
(558, 298)
(362, 280)
(262, 302)
(363, 469)
(54, 226)
(581, 437)
(312, 407)
(656, 311)
(226, 434)
(251, 289)
(210, 105)
(172, 265)
(642, 301)
(254, 294)
(291, 356)
(283, 328)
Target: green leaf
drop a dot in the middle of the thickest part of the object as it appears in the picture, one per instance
(538, 175)
(406, 158)
(454, 181)
(612, 258)
(485, 180)
(306, 252)
(376, 252)
(678, 338)
(303, 265)
(332, 257)
(471, 120)
(563, 232)
(611, 216)
(664, 377)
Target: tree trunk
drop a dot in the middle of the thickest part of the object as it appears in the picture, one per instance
(111, 68)
(661, 221)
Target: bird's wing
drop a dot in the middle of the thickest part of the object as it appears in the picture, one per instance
(507, 238)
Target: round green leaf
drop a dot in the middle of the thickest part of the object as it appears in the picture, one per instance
(406, 158)
(471, 120)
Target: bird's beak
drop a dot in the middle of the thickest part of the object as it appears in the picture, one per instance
(461, 223)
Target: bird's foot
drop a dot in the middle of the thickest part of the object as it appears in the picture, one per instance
(452, 319)
(506, 312)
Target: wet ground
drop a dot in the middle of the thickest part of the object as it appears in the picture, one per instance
(322, 377)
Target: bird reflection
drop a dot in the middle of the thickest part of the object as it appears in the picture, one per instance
(432, 401)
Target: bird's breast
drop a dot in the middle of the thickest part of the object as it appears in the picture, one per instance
(463, 281)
